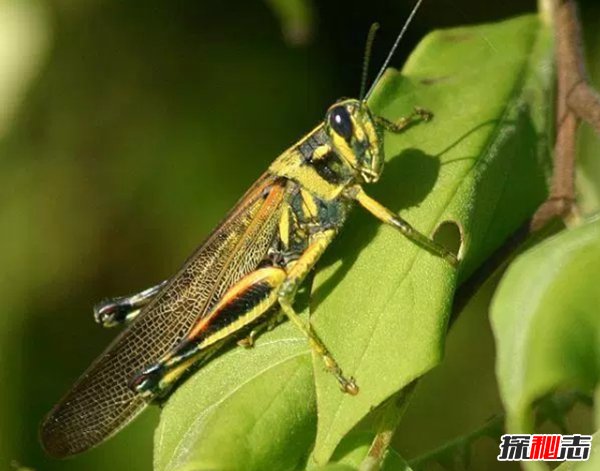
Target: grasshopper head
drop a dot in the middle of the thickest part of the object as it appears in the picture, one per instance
(355, 137)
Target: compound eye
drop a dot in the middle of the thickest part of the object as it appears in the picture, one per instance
(340, 122)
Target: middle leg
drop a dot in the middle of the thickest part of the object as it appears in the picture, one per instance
(287, 293)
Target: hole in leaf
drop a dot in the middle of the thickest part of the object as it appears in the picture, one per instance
(450, 235)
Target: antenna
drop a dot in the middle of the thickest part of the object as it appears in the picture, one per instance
(393, 49)
(368, 48)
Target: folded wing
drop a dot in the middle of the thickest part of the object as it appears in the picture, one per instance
(100, 403)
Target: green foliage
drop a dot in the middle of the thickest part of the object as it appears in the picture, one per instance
(545, 318)
(250, 408)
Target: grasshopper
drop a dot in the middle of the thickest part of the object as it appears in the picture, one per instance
(242, 278)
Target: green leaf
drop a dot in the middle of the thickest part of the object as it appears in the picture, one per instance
(546, 323)
(250, 409)
(382, 303)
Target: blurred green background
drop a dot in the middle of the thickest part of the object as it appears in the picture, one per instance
(128, 129)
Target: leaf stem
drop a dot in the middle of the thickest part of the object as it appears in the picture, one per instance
(392, 412)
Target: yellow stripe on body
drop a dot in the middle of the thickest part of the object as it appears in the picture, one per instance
(321, 151)
(284, 227)
(292, 165)
(309, 204)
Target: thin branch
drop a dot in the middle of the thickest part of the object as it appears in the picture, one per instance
(576, 100)
(578, 95)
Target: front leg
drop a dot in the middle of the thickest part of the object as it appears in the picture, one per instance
(418, 114)
(123, 309)
(387, 216)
